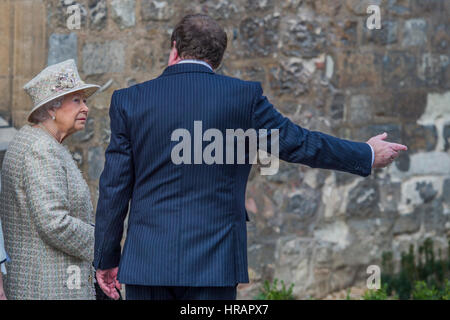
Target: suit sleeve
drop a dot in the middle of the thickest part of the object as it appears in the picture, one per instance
(46, 192)
(312, 148)
(115, 190)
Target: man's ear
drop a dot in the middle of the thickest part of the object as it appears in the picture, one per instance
(174, 57)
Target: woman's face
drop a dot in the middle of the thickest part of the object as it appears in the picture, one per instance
(73, 113)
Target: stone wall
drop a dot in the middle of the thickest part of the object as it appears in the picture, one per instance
(321, 67)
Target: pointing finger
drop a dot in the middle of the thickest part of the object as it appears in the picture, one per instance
(398, 147)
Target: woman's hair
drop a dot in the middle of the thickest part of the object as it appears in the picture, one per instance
(199, 36)
(41, 114)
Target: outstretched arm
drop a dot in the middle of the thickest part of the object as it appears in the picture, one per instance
(320, 150)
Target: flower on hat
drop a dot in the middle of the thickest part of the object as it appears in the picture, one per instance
(65, 80)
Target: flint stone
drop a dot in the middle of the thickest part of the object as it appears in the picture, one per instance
(123, 13)
(415, 33)
(157, 10)
(360, 109)
(98, 14)
(62, 47)
(260, 35)
(388, 34)
(99, 58)
(363, 200)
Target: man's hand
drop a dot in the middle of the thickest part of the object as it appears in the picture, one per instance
(107, 280)
(385, 152)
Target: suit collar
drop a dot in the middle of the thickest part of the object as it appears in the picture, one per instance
(185, 67)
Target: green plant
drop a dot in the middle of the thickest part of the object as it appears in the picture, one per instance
(379, 294)
(422, 275)
(446, 292)
(271, 292)
(347, 297)
(423, 292)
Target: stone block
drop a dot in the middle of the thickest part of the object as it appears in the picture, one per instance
(363, 200)
(62, 47)
(343, 34)
(290, 77)
(408, 105)
(259, 36)
(427, 6)
(123, 13)
(433, 70)
(415, 33)
(301, 38)
(259, 5)
(405, 224)
(399, 69)
(446, 136)
(388, 34)
(157, 10)
(446, 191)
(440, 41)
(359, 70)
(419, 138)
(98, 14)
(360, 109)
(328, 8)
(399, 8)
(106, 57)
(143, 58)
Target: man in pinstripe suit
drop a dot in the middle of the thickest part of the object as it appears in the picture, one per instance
(186, 236)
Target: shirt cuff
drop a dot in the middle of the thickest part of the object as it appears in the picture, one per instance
(373, 154)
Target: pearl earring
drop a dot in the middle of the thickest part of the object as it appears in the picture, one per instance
(53, 118)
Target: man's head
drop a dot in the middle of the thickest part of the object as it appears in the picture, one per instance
(198, 36)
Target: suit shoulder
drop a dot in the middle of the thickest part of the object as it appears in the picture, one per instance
(238, 81)
(133, 88)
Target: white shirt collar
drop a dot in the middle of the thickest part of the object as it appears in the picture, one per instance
(196, 61)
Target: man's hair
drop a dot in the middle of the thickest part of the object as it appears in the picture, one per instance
(198, 36)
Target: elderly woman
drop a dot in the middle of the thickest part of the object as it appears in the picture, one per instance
(45, 203)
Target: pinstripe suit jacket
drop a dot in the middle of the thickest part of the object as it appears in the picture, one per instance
(187, 223)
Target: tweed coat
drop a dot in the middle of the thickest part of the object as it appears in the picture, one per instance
(47, 217)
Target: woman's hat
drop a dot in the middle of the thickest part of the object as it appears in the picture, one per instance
(56, 81)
